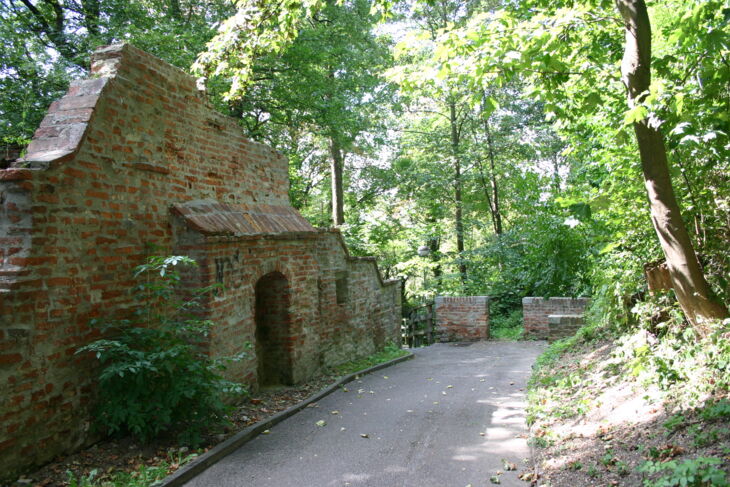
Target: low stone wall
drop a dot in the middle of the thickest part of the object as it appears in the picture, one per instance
(537, 312)
(464, 318)
(563, 326)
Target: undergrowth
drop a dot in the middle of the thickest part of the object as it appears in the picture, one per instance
(143, 476)
(697, 472)
(506, 326)
(655, 354)
(155, 375)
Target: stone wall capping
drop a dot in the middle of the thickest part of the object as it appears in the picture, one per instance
(479, 299)
(222, 239)
(529, 300)
(45, 159)
(213, 218)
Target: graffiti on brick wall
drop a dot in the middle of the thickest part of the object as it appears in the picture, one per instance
(234, 265)
(15, 226)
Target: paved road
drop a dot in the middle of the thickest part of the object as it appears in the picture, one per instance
(444, 419)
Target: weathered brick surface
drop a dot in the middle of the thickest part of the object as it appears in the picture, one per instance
(536, 313)
(563, 326)
(137, 156)
(463, 318)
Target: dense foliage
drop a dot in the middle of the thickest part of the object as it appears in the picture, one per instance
(155, 374)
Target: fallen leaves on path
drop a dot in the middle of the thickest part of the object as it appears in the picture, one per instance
(507, 465)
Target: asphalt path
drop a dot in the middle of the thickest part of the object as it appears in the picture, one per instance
(447, 418)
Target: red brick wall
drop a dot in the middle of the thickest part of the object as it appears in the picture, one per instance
(563, 326)
(462, 318)
(536, 311)
(98, 183)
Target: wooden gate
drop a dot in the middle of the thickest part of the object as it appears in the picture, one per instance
(417, 329)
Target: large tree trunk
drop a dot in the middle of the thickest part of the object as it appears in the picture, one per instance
(174, 10)
(491, 192)
(556, 174)
(336, 166)
(693, 292)
(487, 195)
(458, 214)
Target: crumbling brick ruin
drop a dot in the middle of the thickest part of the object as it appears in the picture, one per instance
(135, 155)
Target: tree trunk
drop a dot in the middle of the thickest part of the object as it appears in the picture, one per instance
(92, 10)
(174, 10)
(556, 174)
(54, 29)
(458, 214)
(433, 246)
(693, 293)
(496, 213)
(487, 194)
(336, 169)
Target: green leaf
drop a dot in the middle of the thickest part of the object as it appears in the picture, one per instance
(635, 115)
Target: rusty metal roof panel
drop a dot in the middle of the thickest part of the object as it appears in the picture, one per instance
(211, 217)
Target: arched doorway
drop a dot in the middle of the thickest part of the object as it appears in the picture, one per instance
(274, 344)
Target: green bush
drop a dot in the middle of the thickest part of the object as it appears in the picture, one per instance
(700, 472)
(155, 375)
(716, 410)
(142, 476)
(506, 326)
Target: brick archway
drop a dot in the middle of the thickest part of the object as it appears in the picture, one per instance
(274, 340)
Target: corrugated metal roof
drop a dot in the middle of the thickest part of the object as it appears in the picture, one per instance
(213, 218)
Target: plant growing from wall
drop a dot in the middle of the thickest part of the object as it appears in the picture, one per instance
(155, 375)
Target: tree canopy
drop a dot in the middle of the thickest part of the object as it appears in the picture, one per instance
(503, 137)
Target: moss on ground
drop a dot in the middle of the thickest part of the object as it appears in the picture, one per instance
(390, 352)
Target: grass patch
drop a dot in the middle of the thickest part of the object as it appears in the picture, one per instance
(506, 326)
(390, 352)
(143, 476)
